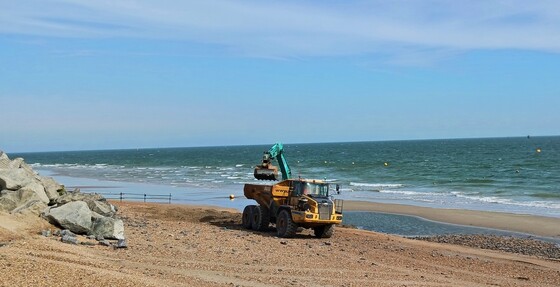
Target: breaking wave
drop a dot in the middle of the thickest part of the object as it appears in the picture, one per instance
(377, 185)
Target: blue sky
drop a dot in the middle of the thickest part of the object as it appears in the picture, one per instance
(80, 75)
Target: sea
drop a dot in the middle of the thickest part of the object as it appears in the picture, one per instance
(516, 175)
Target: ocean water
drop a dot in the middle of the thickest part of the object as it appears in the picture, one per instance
(518, 175)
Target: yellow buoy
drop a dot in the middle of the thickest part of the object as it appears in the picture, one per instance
(386, 164)
(538, 150)
(231, 196)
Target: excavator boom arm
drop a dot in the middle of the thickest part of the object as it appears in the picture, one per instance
(277, 151)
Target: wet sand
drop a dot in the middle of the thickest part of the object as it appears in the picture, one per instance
(532, 224)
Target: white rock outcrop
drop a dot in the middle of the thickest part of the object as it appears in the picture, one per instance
(19, 184)
(22, 190)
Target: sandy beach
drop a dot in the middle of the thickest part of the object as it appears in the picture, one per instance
(182, 245)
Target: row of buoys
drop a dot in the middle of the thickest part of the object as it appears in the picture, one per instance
(538, 150)
(385, 163)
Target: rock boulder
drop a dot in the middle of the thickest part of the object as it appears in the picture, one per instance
(22, 187)
(78, 196)
(38, 189)
(11, 200)
(14, 179)
(4, 160)
(102, 208)
(52, 188)
(75, 216)
(109, 228)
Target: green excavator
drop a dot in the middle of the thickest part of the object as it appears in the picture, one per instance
(267, 171)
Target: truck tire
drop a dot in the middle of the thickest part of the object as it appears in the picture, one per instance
(285, 226)
(247, 217)
(261, 218)
(324, 231)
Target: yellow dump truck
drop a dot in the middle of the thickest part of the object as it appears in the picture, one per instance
(291, 203)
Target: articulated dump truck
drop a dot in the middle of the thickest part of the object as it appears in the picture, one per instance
(292, 203)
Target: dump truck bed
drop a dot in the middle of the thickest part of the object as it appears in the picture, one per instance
(260, 193)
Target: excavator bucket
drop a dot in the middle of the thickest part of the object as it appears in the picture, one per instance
(266, 172)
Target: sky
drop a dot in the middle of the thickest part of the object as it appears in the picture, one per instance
(82, 75)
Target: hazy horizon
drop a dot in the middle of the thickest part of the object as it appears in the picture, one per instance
(272, 143)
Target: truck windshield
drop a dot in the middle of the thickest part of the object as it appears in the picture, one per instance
(316, 189)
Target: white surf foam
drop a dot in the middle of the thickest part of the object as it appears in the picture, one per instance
(377, 185)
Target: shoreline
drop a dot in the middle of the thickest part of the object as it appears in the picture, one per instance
(529, 224)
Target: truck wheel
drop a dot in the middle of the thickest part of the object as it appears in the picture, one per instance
(285, 226)
(261, 218)
(247, 216)
(324, 231)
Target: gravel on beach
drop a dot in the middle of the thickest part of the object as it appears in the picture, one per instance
(526, 246)
(181, 245)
